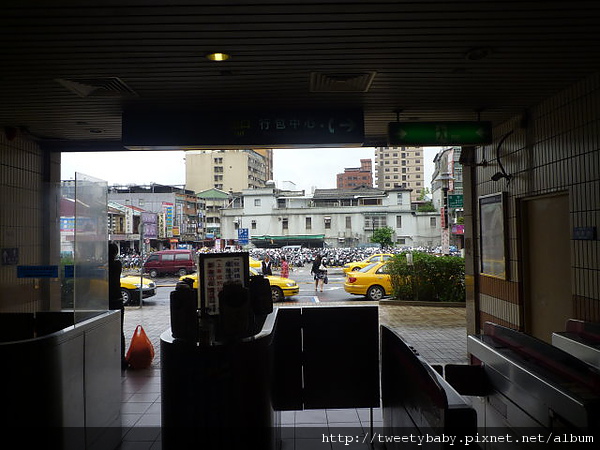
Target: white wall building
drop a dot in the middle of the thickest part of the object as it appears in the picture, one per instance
(333, 217)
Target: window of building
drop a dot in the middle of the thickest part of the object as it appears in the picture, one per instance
(284, 223)
(327, 221)
(348, 222)
(308, 223)
(401, 241)
(253, 224)
(399, 201)
(433, 222)
(257, 202)
(398, 221)
(375, 221)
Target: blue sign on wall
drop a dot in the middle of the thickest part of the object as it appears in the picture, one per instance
(37, 271)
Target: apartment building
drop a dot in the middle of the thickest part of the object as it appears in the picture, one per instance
(227, 170)
(400, 167)
(356, 176)
(177, 208)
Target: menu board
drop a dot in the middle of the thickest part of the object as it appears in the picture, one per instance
(217, 269)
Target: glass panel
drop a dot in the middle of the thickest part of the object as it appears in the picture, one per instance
(67, 243)
(90, 247)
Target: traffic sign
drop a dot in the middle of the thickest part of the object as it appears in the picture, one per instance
(455, 200)
(243, 236)
(439, 133)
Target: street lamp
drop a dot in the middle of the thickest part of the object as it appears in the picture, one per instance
(445, 178)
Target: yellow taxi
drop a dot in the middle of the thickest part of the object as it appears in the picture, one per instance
(372, 281)
(130, 289)
(357, 265)
(280, 287)
(255, 263)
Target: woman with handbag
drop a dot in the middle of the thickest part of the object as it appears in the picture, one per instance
(319, 271)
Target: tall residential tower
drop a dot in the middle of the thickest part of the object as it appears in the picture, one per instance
(400, 167)
(226, 170)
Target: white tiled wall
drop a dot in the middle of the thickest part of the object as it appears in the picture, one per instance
(558, 151)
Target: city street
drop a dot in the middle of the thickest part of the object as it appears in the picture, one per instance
(332, 292)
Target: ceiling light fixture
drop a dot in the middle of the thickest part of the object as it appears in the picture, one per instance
(218, 56)
(477, 53)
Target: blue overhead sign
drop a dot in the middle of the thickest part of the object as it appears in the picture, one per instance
(148, 128)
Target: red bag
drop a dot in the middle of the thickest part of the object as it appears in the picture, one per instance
(141, 351)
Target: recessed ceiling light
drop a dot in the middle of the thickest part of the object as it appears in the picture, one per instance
(217, 56)
(477, 53)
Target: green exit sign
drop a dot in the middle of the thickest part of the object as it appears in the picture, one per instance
(439, 133)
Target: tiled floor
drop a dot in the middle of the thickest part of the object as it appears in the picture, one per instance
(437, 333)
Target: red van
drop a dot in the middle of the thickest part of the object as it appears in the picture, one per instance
(180, 262)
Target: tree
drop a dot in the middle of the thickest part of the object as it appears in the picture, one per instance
(424, 194)
(426, 207)
(383, 236)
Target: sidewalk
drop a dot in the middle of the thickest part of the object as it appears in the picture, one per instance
(437, 333)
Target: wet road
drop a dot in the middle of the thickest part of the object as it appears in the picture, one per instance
(332, 292)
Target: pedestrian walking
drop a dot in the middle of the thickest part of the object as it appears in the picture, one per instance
(115, 299)
(266, 266)
(319, 271)
(285, 267)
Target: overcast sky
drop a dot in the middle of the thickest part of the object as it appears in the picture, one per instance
(305, 167)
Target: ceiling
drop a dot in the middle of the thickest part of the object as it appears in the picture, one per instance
(416, 60)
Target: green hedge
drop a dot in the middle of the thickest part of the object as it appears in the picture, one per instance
(430, 278)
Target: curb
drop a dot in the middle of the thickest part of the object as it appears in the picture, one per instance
(420, 303)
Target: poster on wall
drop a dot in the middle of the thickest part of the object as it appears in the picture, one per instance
(492, 224)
